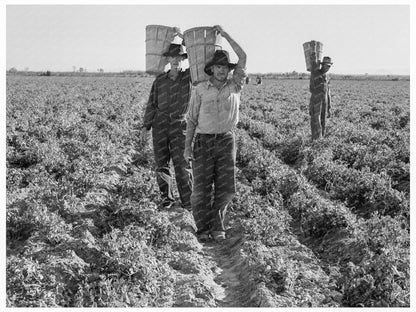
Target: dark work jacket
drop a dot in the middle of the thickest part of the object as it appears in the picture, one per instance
(168, 100)
(319, 87)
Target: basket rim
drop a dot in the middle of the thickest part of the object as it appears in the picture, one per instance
(197, 28)
(153, 25)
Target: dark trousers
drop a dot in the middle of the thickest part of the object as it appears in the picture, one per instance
(214, 179)
(169, 144)
(318, 117)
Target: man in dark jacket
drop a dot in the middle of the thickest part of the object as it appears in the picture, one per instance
(320, 102)
(165, 115)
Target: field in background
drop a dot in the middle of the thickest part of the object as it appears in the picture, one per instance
(316, 224)
(143, 74)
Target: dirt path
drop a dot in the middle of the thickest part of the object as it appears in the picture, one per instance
(227, 271)
(209, 273)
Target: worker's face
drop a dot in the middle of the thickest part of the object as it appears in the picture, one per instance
(175, 62)
(220, 72)
(325, 67)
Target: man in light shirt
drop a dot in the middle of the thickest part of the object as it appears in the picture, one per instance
(211, 120)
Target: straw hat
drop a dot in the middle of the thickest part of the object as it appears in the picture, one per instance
(326, 60)
(221, 57)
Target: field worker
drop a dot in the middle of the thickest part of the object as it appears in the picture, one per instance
(165, 115)
(320, 102)
(211, 120)
(259, 81)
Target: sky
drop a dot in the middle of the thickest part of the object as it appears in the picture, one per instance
(373, 39)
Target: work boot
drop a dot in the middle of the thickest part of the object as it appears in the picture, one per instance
(203, 236)
(187, 207)
(219, 236)
(167, 204)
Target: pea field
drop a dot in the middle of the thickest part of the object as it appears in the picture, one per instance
(313, 224)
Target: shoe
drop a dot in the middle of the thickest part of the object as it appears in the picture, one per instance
(167, 204)
(219, 236)
(203, 236)
(189, 208)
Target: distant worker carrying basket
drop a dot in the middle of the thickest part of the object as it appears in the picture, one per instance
(320, 102)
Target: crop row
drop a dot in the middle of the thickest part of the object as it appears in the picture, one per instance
(83, 228)
(282, 123)
(338, 229)
(353, 160)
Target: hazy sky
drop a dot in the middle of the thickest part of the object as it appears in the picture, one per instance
(372, 39)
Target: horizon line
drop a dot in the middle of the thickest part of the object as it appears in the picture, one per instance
(249, 73)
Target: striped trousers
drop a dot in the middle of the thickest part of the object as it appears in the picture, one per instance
(214, 179)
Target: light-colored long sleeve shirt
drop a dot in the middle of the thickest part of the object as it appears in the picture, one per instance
(213, 110)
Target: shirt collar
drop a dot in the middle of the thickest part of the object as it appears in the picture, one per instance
(179, 73)
(210, 84)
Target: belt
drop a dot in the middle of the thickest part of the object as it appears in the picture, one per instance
(173, 116)
(214, 135)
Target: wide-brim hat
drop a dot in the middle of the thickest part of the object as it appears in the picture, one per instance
(220, 57)
(174, 50)
(326, 60)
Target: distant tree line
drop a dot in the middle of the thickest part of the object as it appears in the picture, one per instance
(138, 73)
(297, 75)
(82, 73)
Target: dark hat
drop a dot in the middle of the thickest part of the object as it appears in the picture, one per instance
(174, 50)
(221, 57)
(327, 60)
